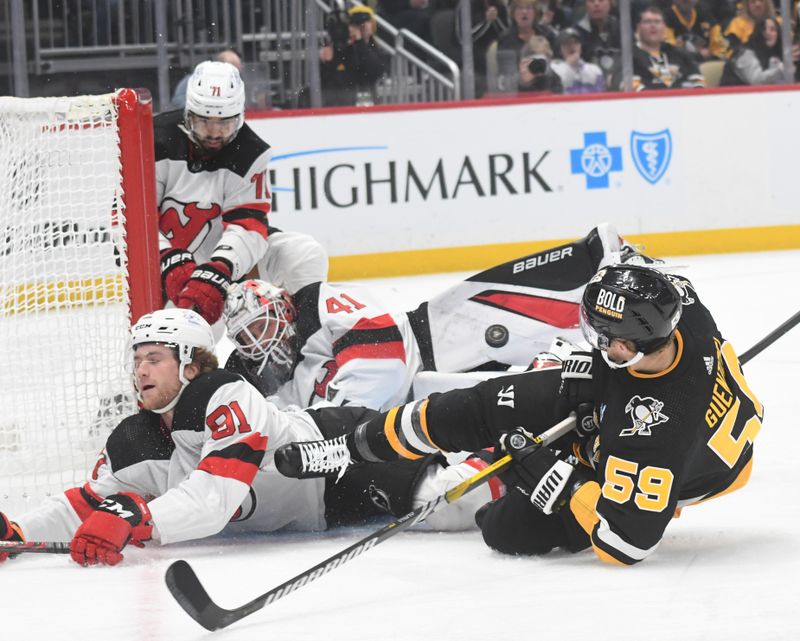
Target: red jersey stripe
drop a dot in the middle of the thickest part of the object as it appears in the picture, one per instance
(393, 349)
(559, 313)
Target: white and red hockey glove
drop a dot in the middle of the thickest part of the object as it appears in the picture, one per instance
(9, 531)
(206, 290)
(177, 266)
(120, 519)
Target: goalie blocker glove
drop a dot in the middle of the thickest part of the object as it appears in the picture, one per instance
(177, 266)
(9, 531)
(538, 473)
(120, 519)
(206, 290)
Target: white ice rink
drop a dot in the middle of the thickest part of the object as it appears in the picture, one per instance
(727, 570)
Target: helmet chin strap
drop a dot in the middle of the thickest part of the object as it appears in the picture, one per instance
(628, 363)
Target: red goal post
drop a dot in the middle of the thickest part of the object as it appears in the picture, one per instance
(78, 263)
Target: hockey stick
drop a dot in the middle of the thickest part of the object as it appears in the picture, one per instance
(770, 338)
(192, 596)
(40, 547)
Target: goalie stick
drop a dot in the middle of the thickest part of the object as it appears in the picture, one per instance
(192, 596)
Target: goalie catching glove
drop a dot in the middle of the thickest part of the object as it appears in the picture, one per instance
(206, 290)
(9, 531)
(120, 519)
(537, 472)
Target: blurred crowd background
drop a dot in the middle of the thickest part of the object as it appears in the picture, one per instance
(312, 53)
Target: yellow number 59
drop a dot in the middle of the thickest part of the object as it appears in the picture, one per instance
(653, 484)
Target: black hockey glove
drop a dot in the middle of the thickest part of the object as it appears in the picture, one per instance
(576, 378)
(540, 474)
(576, 390)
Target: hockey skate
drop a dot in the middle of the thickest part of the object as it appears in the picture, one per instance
(313, 459)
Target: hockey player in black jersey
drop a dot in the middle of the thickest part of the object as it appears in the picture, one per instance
(667, 420)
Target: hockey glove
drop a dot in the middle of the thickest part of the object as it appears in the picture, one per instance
(576, 378)
(539, 473)
(177, 266)
(120, 519)
(206, 290)
(9, 531)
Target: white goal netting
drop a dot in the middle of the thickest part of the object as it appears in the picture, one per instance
(64, 298)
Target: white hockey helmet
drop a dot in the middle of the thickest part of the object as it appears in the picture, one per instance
(182, 329)
(215, 90)
(260, 321)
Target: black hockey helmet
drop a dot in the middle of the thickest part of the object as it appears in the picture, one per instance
(630, 302)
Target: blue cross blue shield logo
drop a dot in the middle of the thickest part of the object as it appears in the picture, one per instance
(651, 154)
(596, 160)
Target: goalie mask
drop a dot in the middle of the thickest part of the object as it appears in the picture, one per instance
(214, 111)
(182, 329)
(633, 303)
(260, 321)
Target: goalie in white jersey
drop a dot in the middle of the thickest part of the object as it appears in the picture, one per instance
(213, 198)
(199, 457)
(338, 344)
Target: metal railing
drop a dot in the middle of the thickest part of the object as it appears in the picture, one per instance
(45, 39)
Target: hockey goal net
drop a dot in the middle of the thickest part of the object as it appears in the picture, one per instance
(78, 261)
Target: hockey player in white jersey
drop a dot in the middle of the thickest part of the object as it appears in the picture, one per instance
(199, 457)
(337, 344)
(213, 197)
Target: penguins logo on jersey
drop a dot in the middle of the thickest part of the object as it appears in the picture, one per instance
(684, 288)
(645, 412)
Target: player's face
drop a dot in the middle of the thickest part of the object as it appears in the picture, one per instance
(212, 134)
(156, 375)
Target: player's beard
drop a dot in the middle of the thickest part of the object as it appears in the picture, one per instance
(160, 396)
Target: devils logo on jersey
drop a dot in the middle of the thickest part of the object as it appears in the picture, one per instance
(645, 412)
(186, 224)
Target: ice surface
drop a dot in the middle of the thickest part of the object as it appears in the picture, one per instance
(726, 570)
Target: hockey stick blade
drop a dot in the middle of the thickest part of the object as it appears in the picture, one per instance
(38, 547)
(190, 594)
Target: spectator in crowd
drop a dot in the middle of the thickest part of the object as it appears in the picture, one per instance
(760, 61)
(526, 21)
(577, 75)
(600, 37)
(739, 29)
(351, 64)
(692, 27)
(489, 22)
(179, 95)
(413, 15)
(535, 69)
(657, 64)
